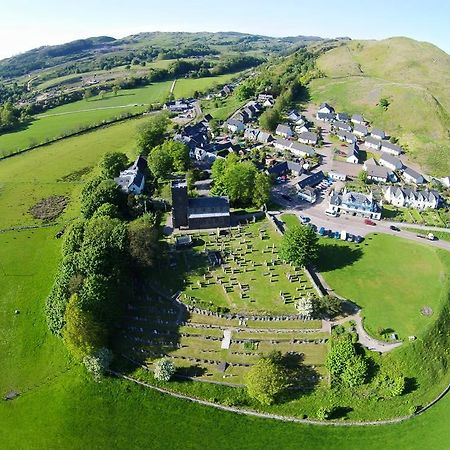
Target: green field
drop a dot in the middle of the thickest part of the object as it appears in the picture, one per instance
(70, 117)
(358, 74)
(443, 235)
(390, 278)
(222, 108)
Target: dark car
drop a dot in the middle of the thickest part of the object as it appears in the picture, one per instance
(350, 237)
(358, 239)
(394, 228)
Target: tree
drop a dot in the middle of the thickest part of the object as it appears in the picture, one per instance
(179, 153)
(362, 176)
(112, 163)
(245, 91)
(390, 382)
(384, 103)
(73, 237)
(143, 240)
(299, 246)
(81, 334)
(107, 210)
(267, 379)
(87, 94)
(97, 192)
(239, 182)
(98, 363)
(270, 119)
(355, 372)
(115, 90)
(305, 306)
(102, 94)
(160, 162)
(329, 306)
(164, 369)
(152, 133)
(261, 192)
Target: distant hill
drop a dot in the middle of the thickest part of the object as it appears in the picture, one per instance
(415, 78)
(97, 52)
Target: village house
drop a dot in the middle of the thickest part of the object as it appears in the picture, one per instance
(301, 150)
(235, 126)
(326, 108)
(282, 144)
(358, 119)
(325, 113)
(311, 179)
(284, 168)
(308, 194)
(342, 116)
(360, 130)
(337, 176)
(301, 129)
(391, 162)
(338, 125)
(294, 116)
(378, 134)
(345, 136)
(377, 173)
(177, 106)
(372, 143)
(411, 176)
(132, 179)
(263, 97)
(389, 147)
(308, 137)
(410, 198)
(284, 131)
(355, 203)
(352, 154)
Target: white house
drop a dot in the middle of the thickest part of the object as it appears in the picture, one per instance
(284, 131)
(326, 108)
(132, 180)
(325, 113)
(345, 136)
(301, 150)
(282, 144)
(377, 133)
(391, 162)
(342, 116)
(358, 118)
(389, 147)
(235, 126)
(377, 173)
(411, 176)
(355, 203)
(294, 116)
(308, 194)
(409, 198)
(371, 143)
(338, 125)
(445, 181)
(360, 130)
(301, 129)
(352, 154)
(308, 137)
(336, 176)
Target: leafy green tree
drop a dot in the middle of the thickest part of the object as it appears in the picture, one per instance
(270, 119)
(152, 133)
(73, 237)
(362, 176)
(355, 372)
(160, 162)
(390, 382)
(164, 369)
(305, 306)
(98, 363)
(245, 91)
(329, 306)
(267, 379)
(143, 242)
(299, 246)
(107, 210)
(261, 192)
(81, 334)
(115, 90)
(112, 163)
(384, 103)
(97, 192)
(94, 296)
(179, 153)
(239, 182)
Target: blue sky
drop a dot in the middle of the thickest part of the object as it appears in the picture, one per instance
(26, 24)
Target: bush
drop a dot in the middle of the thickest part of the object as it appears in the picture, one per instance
(98, 363)
(164, 370)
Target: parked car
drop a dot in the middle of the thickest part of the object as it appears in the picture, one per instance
(305, 219)
(321, 231)
(337, 234)
(369, 222)
(394, 228)
(358, 239)
(350, 237)
(331, 213)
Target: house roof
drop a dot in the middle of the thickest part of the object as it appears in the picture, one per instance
(391, 146)
(298, 146)
(235, 122)
(326, 105)
(358, 118)
(346, 135)
(370, 162)
(378, 132)
(352, 149)
(428, 195)
(284, 142)
(377, 171)
(284, 166)
(342, 116)
(308, 136)
(372, 140)
(360, 128)
(284, 129)
(322, 115)
(140, 163)
(412, 173)
(391, 160)
(310, 179)
(208, 207)
(342, 125)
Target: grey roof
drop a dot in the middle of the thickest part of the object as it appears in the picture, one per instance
(360, 129)
(347, 136)
(251, 133)
(378, 132)
(285, 166)
(286, 129)
(322, 115)
(342, 125)
(282, 141)
(391, 160)
(353, 149)
(377, 171)
(308, 136)
(140, 163)
(310, 179)
(208, 206)
(358, 118)
(326, 105)
(342, 116)
(412, 173)
(370, 162)
(303, 148)
(391, 146)
(264, 137)
(429, 195)
(372, 140)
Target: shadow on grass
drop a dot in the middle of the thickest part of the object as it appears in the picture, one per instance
(334, 256)
(340, 412)
(411, 385)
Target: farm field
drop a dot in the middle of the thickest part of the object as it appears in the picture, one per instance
(185, 87)
(221, 109)
(390, 278)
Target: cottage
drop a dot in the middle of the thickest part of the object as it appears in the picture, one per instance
(391, 162)
(378, 134)
(264, 138)
(342, 116)
(389, 147)
(338, 125)
(301, 150)
(285, 167)
(360, 130)
(284, 131)
(242, 116)
(352, 154)
(336, 176)
(132, 180)
(251, 134)
(294, 116)
(369, 162)
(301, 129)
(282, 144)
(411, 176)
(355, 203)
(372, 143)
(325, 117)
(235, 126)
(326, 108)
(377, 173)
(358, 119)
(346, 137)
(264, 97)
(445, 181)
(410, 198)
(308, 137)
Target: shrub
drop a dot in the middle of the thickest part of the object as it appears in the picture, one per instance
(98, 363)
(164, 370)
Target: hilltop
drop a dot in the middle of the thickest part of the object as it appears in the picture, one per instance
(415, 78)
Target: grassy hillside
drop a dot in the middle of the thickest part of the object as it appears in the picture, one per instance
(414, 76)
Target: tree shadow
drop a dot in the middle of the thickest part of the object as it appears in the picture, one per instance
(185, 373)
(333, 256)
(411, 385)
(340, 412)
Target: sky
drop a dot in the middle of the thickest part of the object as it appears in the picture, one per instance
(26, 24)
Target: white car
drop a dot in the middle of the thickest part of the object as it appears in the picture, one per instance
(331, 213)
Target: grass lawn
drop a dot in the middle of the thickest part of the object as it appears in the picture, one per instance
(290, 220)
(185, 87)
(390, 278)
(220, 108)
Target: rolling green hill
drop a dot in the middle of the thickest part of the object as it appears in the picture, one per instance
(413, 76)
